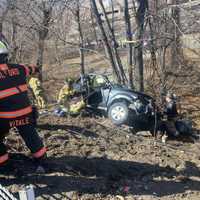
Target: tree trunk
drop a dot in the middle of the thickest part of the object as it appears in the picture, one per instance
(162, 52)
(114, 45)
(14, 35)
(152, 45)
(3, 16)
(163, 71)
(176, 53)
(81, 40)
(42, 33)
(40, 57)
(82, 58)
(129, 38)
(93, 27)
(105, 40)
(139, 72)
(1, 26)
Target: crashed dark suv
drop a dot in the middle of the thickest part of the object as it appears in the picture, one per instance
(121, 104)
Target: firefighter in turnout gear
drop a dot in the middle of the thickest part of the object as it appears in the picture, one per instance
(38, 92)
(66, 92)
(15, 108)
(171, 112)
(70, 101)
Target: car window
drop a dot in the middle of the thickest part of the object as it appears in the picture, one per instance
(98, 81)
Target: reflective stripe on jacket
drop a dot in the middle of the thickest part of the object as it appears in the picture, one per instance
(3, 158)
(40, 153)
(14, 100)
(13, 91)
(15, 114)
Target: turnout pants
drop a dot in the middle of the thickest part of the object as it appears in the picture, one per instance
(27, 131)
(170, 126)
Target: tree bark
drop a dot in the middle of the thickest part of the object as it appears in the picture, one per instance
(93, 27)
(162, 54)
(138, 50)
(42, 34)
(152, 45)
(2, 17)
(14, 34)
(176, 53)
(163, 70)
(81, 40)
(105, 40)
(40, 57)
(129, 38)
(114, 45)
(1, 26)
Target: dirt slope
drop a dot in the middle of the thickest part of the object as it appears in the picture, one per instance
(91, 159)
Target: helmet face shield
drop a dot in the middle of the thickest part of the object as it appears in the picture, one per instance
(4, 47)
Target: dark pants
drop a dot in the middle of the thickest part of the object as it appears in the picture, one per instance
(25, 128)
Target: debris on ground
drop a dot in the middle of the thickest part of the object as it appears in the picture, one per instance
(92, 159)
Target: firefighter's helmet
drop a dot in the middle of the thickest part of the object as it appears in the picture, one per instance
(171, 96)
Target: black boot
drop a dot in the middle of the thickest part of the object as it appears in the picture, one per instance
(5, 168)
(9, 168)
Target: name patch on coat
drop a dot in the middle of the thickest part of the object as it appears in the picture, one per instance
(19, 122)
(9, 72)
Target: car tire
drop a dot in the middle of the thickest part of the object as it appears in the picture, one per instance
(118, 113)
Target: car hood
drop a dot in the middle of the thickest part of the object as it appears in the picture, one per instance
(137, 94)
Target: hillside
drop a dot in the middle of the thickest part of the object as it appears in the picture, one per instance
(89, 158)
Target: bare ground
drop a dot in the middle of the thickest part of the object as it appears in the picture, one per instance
(91, 159)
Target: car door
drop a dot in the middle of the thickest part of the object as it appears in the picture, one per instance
(96, 98)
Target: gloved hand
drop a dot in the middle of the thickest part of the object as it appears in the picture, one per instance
(36, 69)
(41, 165)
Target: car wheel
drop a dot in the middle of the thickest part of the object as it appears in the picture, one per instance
(118, 113)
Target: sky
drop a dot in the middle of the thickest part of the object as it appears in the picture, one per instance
(107, 2)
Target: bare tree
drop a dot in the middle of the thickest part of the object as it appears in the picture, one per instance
(43, 29)
(37, 18)
(4, 7)
(81, 39)
(93, 26)
(114, 43)
(140, 10)
(176, 54)
(105, 40)
(129, 38)
(14, 17)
